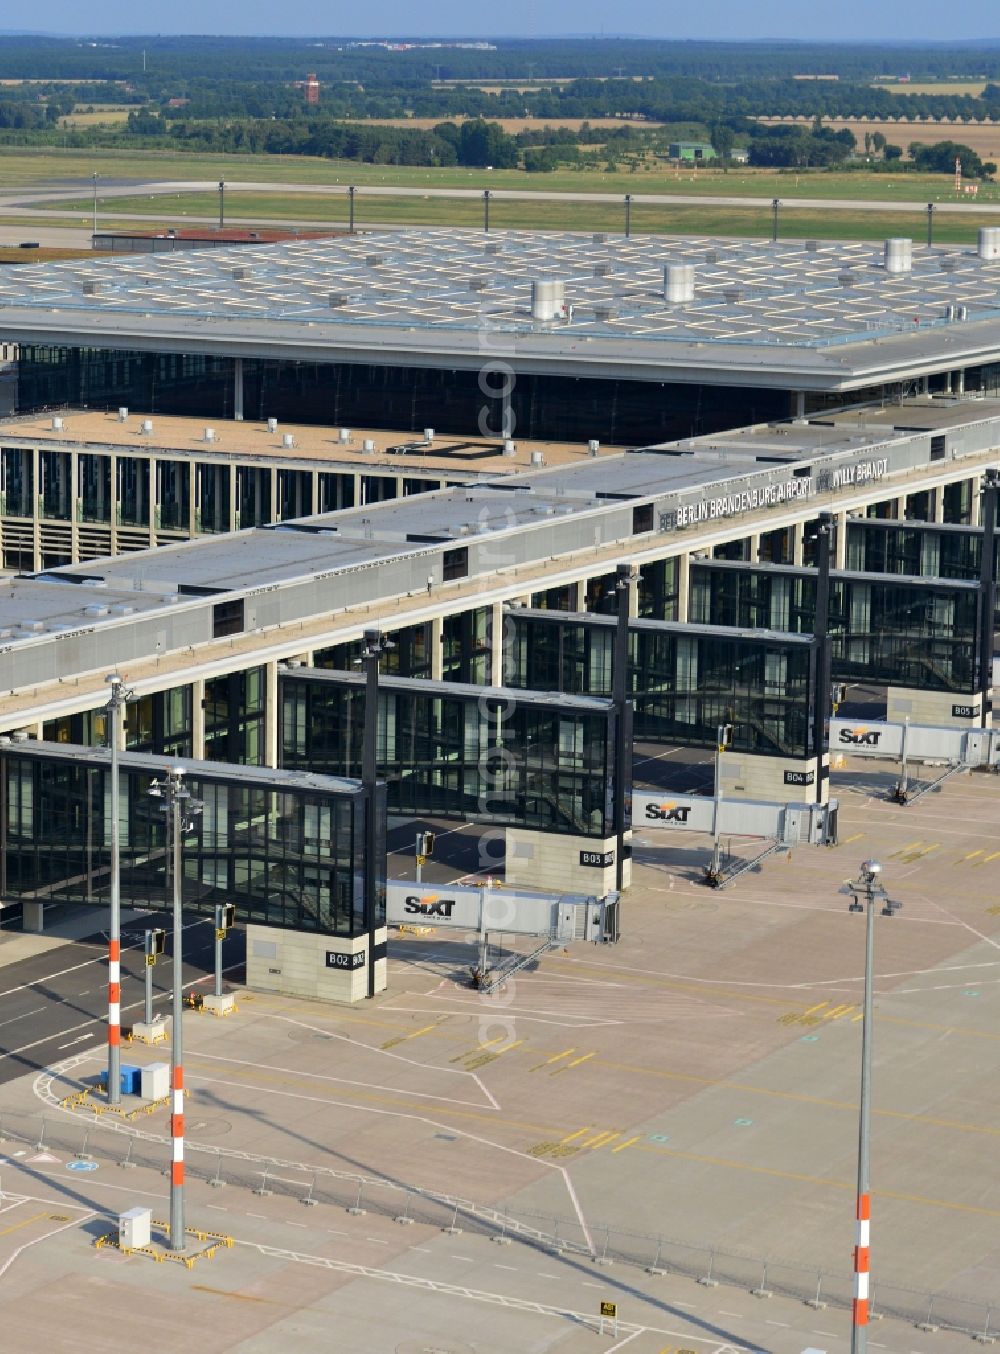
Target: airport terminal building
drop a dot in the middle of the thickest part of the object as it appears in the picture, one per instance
(565, 337)
(239, 601)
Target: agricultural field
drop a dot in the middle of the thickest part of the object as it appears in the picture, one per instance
(971, 87)
(97, 115)
(511, 125)
(982, 137)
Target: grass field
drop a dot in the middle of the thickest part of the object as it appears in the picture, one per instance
(22, 169)
(750, 221)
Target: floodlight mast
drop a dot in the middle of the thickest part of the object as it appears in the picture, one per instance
(374, 646)
(180, 809)
(115, 707)
(865, 892)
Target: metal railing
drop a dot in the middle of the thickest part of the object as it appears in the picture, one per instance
(94, 1139)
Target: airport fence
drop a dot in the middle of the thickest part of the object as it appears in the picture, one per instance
(127, 1145)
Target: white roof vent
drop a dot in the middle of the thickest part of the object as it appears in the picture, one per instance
(898, 256)
(122, 414)
(57, 424)
(428, 434)
(548, 299)
(95, 609)
(537, 458)
(368, 445)
(287, 440)
(209, 434)
(272, 425)
(678, 283)
(510, 447)
(593, 447)
(345, 435)
(989, 243)
(146, 426)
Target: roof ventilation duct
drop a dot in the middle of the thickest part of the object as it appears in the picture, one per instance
(548, 298)
(989, 243)
(678, 283)
(899, 256)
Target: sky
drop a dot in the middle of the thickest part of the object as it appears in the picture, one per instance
(858, 20)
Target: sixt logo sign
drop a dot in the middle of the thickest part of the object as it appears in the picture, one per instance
(861, 737)
(668, 813)
(430, 905)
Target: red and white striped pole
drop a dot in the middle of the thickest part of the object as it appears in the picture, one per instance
(861, 1262)
(115, 707)
(868, 889)
(114, 996)
(180, 809)
(177, 1130)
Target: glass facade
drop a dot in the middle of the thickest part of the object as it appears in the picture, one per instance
(894, 631)
(17, 488)
(287, 854)
(481, 754)
(920, 549)
(410, 655)
(684, 682)
(358, 394)
(234, 717)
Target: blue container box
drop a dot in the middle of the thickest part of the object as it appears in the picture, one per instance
(131, 1079)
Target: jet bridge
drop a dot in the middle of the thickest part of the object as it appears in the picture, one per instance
(480, 910)
(955, 748)
(786, 824)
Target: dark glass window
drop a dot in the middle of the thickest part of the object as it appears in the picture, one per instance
(456, 563)
(459, 752)
(234, 717)
(17, 491)
(227, 618)
(287, 858)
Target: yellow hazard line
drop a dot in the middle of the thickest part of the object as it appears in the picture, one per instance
(25, 1222)
(627, 1143)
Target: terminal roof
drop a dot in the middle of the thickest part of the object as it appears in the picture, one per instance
(802, 314)
(312, 447)
(320, 565)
